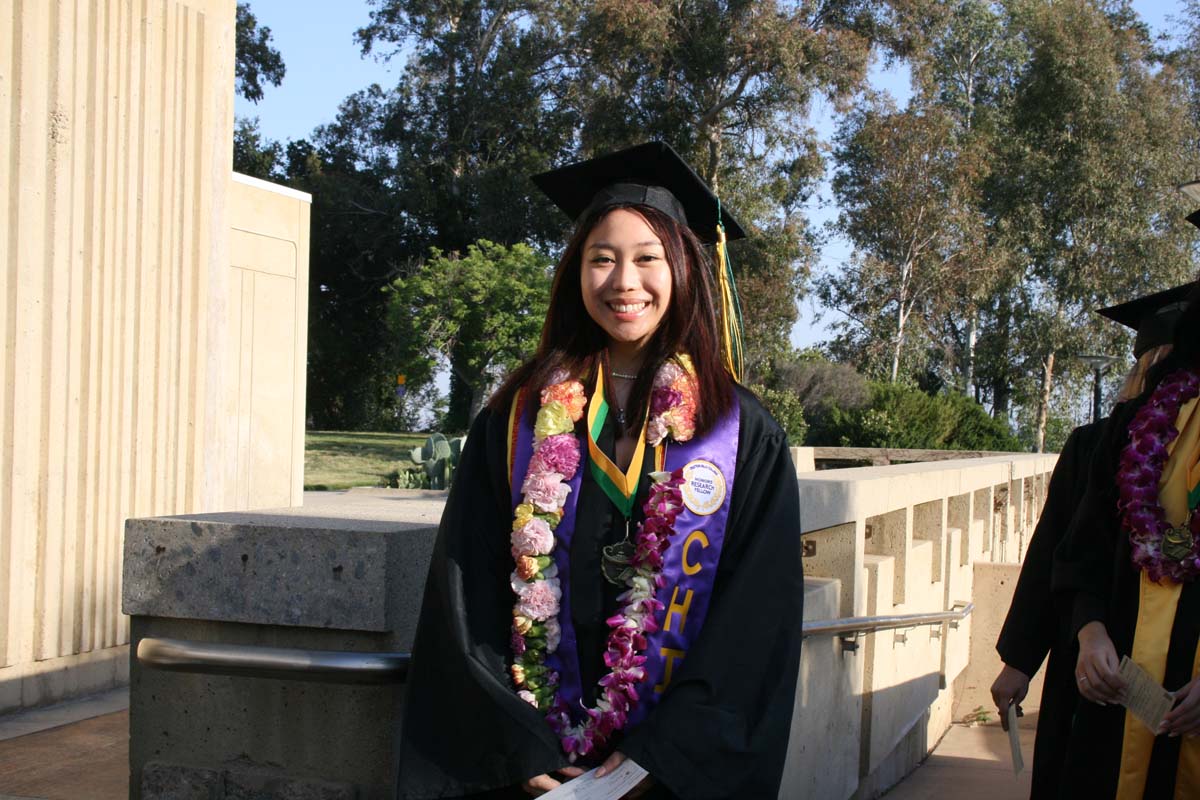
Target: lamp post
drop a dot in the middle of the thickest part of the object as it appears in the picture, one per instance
(1099, 365)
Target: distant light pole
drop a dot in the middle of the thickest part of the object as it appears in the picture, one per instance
(1099, 365)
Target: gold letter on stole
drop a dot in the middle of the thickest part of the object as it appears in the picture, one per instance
(696, 536)
(669, 654)
(679, 608)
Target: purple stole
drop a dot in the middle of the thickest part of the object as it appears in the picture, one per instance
(691, 560)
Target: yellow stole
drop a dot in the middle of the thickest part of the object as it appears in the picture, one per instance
(1156, 616)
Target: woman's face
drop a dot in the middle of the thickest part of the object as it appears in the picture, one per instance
(626, 279)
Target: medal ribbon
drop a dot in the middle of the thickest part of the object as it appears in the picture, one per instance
(621, 487)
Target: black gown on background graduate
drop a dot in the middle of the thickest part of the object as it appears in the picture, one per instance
(1036, 625)
(1093, 571)
(721, 729)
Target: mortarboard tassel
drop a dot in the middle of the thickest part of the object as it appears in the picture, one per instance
(731, 308)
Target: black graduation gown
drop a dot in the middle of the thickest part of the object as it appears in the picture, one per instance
(721, 730)
(1094, 574)
(1036, 625)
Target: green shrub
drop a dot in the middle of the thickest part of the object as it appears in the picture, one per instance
(905, 417)
(788, 412)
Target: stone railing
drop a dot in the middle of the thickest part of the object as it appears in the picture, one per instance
(904, 539)
(345, 574)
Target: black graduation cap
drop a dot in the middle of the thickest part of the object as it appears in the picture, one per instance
(1192, 192)
(1153, 316)
(649, 174)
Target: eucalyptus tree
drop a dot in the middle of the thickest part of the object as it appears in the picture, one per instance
(968, 70)
(907, 188)
(1095, 143)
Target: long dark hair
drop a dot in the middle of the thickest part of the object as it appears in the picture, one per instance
(572, 340)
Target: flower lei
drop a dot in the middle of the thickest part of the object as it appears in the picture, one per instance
(536, 630)
(1158, 548)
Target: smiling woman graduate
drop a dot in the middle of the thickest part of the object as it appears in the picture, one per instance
(618, 572)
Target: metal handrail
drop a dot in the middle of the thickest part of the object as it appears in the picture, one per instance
(334, 666)
(857, 625)
(251, 661)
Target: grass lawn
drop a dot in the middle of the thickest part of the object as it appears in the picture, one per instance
(339, 460)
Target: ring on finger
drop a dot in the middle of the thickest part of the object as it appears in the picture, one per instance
(1081, 678)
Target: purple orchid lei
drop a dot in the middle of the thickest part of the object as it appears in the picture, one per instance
(1158, 548)
(536, 630)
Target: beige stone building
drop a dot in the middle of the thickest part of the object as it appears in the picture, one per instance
(153, 316)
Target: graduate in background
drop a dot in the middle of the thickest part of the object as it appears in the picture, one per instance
(1034, 626)
(1126, 570)
(618, 568)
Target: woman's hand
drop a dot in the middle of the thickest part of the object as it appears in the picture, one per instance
(614, 761)
(540, 784)
(1009, 688)
(1184, 718)
(1096, 670)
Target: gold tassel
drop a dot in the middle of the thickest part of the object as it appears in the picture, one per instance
(731, 313)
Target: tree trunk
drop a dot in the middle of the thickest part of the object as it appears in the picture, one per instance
(901, 320)
(1001, 386)
(1044, 400)
(714, 159)
(458, 406)
(972, 338)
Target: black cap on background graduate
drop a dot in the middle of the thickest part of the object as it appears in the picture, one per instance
(650, 174)
(1192, 192)
(1153, 316)
(654, 175)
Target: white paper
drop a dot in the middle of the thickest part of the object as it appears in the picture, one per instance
(612, 786)
(1145, 699)
(1014, 740)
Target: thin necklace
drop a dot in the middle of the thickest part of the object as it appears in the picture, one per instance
(616, 374)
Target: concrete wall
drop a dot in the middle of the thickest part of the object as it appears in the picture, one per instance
(884, 540)
(268, 331)
(141, 374)
(117, 120)
(905, 539)
(321, 578)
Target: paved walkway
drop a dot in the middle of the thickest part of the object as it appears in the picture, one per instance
(72, 751)
(69, 753)
(973, 762)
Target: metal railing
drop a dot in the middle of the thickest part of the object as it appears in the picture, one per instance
(251, 661)
(850, 628)
(334, 666)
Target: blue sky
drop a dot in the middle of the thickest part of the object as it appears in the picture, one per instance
(324, 65)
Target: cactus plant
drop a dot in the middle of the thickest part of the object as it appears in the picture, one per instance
(437, 459)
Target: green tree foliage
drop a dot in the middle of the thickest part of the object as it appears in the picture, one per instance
(1060, 135)
(361, 241)
(254, 155)
(482, 105)
(907, 185)
(906, 417)
(256, 61)
(1085, 196)
(486, 306)
(787, 410)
